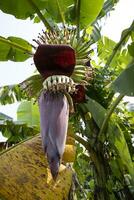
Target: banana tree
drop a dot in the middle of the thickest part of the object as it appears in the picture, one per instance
(73, 88)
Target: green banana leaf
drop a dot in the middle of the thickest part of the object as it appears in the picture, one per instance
(14, 49)
(28, 113)
(114, 134)
(11, 93)
(89, 10)
(58, 8)
(86, 13)
(107, 7)
(117, 140)
(124, 83)
(21, 9)
(96, 110)
(131, 49)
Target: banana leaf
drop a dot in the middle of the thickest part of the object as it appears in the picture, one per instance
(24, 173)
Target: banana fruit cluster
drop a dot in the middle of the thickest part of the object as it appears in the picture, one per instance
(64, 83)
(59, 83)
(79, 74)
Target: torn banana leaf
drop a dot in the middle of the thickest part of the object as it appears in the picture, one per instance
(24, 173)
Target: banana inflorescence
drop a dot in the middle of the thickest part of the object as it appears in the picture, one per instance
(59, 83)
(64, 81)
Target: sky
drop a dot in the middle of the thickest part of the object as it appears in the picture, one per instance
(120, 19)
(14, 72)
